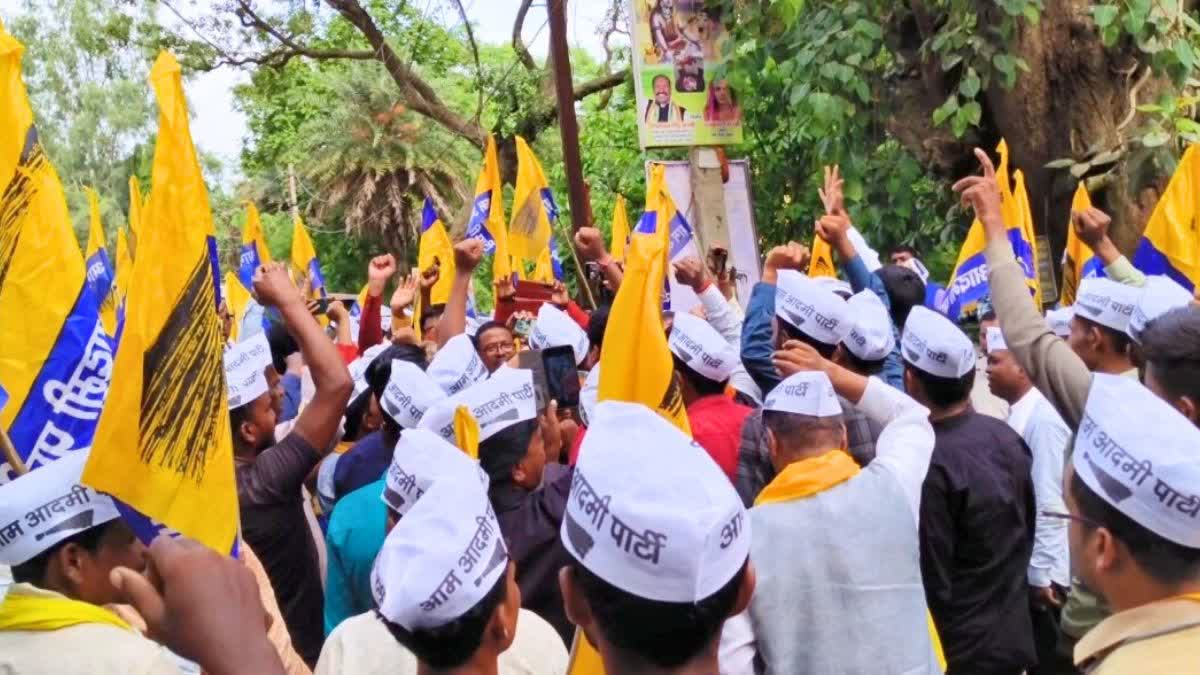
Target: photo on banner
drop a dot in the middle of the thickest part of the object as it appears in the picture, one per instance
(677, 52)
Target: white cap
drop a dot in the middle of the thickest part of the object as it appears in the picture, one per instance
(870, 337)
(441, 559)
(409, 393)
(918, 267)
(805, 393)
(811, 308)
(994, 340)
(245, 370)
(673, 529)
(457, 365)
(47, 505)
(1149, 472)
(934, 344)
(421, 458)
(505, 399)
(702, 348)
(589, 394)
(1160, 295)
(1106, 302)
(554, 328)
(835, 285)
(1059, 320)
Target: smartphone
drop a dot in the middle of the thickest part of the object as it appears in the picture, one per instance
(720, 259)
(554, 376)
(322, 307)
(523, 327)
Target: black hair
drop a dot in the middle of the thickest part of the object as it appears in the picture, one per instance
(1164, 560)
(1118, 339)
(667, 634)
(703, 385)
(485, 327)
(801, 430)
(597, 324)
(33, 571)
(1171, 346)
(504, 449)
(790, 332)
(379, 371)
(236, 417)
(453, 644)
(355, 412)
(905, 290)
(862, 366)
(943, 392)
(903, 248)
(282, 345)
(431, 312)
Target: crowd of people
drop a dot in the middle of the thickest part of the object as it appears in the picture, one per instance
(866, 489)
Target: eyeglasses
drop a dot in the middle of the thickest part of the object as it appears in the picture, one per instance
(1069, 516)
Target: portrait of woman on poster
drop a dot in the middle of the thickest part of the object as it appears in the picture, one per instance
(722, 106)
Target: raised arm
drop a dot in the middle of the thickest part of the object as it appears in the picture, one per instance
(1091, 227)
(370, 331)
(758, 329)
(318, 422)
(467, 254)
(589, 242)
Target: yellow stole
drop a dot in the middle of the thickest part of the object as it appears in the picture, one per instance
(24, 612)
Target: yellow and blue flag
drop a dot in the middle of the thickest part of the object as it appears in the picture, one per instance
(531, 232)
(635, 362)
(969, 284)
(663, 217)
(304, 259)
(57, 360)
(163, 445)
(434, 245)
(487, 214)
(620, 230)
(1024, 240)
(100, 274)
(1170, 244)
(254, 252)
(1079, 261)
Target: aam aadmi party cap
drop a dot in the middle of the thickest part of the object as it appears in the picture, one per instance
(1106, 302)
(554, 328)
(812, 309)
(702, 348)
(805, 393)
(1159, 295)
(245, 370)
(457, 365)
(673, 530)
(506, 398)
(837, 286)
(409, 393)
(1059, 320)
(441, 559)
(1148, 472)
(870, 337)
(420, 459)
(993, 340)
(358, 367)
(589, 394)
(932, 343)
(46, 505)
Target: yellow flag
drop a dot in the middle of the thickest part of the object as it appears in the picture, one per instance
(124, 267)
(620, 230)
(434, 246)
(1026, 239)
(821, 262)
(304, 258)
(237, 298)
(99, 267)
(635, 362)
(466, 431)
(136, 206)
(254, 253)
(1079, 261)
(47, 318)
(1170, 244)
(487, 214)
(163, 444)
(533, 210)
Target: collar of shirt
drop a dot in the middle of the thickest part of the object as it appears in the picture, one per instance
(1139, 624)
(1022, 411)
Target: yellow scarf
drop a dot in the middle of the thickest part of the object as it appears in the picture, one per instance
(22, 611)
(817, 474)
(808, 477)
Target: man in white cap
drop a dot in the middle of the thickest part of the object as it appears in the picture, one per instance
(1099, 328)
(1159, 295)
(554, 328)
(447, 592)
(660, 544)
(982, 398)
(835, 546)
(1059, 321)
(1134, 530)
(362, 644)
(1047, 435)
(977, 508)
(63, 540)
(808, 313)
(704, 361)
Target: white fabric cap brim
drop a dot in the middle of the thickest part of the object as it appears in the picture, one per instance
(810, 308)
(1159, 295)
(1059, 320)
(994, 339)
(701, 348)
(409, 393)
(673, 529)
(245, 370)
(934, 344)
(1106, 302)
(421, 458)
(870, 337)
(804, 393)
(554, 328)
(47, 505)
(505, 399)
(457, 365)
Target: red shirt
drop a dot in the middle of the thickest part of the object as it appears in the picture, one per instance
(717, 426)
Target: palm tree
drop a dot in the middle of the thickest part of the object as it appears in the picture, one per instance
(373, 163)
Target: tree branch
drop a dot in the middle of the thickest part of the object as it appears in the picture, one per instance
(599, 84)
(250, 19)
(518, 44)
(462, 12)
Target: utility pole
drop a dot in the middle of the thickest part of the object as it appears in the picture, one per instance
(292, 192)
(568, 126)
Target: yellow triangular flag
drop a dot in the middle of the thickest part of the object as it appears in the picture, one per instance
(620, 230)
(466, 431)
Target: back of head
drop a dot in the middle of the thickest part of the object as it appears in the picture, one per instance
(454, 643)
(380, 371)
(597, 324)
(499, 453)
(905, 290)
(938, 357)
(805, 433)
(1171, 348)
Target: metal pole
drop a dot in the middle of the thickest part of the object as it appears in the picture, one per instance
(567, 124)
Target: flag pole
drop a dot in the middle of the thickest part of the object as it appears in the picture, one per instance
(10, 454)
(583, 280)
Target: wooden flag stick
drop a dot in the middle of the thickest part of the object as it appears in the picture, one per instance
(10, 454)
